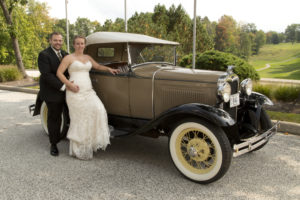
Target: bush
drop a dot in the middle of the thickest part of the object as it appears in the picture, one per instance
(278, 93)
(263, 89)
(9, 73)
(219, 61)
(285, 93)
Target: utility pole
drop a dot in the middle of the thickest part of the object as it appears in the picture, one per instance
(125, 4)
(194, 35)
(67, 26)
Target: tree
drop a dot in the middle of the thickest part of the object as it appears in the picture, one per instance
(34, 26)
(227, 35)
(260, 40)
(60, 26)
(245, 46)
(84, 26)
(6, 50)
(275, 38)
(292, 33)
(7, 7)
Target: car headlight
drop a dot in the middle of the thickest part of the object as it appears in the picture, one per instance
(224, 91)
(246, 86)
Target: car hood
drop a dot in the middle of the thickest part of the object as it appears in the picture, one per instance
(176, 73)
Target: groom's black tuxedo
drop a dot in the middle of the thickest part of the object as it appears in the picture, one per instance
(50, 85)
(50, 92)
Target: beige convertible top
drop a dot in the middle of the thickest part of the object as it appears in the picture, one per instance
(118, 37)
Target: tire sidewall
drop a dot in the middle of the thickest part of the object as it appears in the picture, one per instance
(214, 134)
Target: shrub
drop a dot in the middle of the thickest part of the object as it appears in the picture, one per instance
(263, 89)
(287, 93)
(9, 73)
(219, 61)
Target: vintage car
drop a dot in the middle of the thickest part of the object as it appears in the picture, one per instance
(208, 116)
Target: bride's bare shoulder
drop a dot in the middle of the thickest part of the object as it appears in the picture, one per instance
(69, 59)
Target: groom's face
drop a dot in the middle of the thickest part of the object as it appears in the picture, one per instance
(56, 41)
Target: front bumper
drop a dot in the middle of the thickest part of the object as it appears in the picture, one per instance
(254, 142)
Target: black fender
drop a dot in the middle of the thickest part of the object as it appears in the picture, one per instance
(208, 113)
(35, 109)
(260, 98)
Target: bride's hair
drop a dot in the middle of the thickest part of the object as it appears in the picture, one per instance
(79, 36)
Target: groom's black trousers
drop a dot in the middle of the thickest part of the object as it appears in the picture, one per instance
(55, 110)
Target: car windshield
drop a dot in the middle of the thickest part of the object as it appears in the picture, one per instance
(145, 53)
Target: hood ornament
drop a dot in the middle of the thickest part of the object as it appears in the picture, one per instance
(230, 69)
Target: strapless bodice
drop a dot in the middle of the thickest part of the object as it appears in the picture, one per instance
(79, 73)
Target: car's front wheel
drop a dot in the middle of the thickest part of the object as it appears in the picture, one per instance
(44, 118)
(200, 151)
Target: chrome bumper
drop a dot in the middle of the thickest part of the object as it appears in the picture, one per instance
(254, 142)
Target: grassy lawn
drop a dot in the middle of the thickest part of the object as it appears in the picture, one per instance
(289, 117)
(284, 59)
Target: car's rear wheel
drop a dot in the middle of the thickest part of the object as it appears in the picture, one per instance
(44, 118)
(200, 151)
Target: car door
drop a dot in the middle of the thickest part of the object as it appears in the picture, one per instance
(113, 91)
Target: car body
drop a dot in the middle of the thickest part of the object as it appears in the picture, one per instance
(209, 116)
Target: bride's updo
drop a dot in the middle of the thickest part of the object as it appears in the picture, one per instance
(79, 36)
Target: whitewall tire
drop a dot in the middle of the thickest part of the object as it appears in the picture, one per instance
(200, 151)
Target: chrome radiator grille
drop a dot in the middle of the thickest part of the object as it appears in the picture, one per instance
(234, 89)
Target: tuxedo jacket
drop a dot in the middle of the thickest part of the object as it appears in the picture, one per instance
(50, 84)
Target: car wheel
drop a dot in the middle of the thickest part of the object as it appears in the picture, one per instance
(200, 151)
(44, 117)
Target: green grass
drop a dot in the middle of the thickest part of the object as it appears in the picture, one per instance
(289, 117)
(284, 59)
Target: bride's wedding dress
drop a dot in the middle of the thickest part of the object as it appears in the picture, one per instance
(88, 130)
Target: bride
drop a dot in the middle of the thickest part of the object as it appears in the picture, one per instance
(88, 130)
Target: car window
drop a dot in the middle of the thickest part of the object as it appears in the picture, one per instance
(143, 53)
(106, 52)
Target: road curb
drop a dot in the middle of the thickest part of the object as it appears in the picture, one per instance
(285, 127)
(288, 127)
(18, 89)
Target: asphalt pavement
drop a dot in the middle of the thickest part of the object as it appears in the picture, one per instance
(131, 168)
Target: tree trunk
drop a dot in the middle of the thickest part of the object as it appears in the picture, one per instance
(14, 38)
(18, 56)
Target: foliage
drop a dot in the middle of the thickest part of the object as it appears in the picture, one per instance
(216, 60)
(264, 89)
(286, 93)
(292, 33)
(32, 26)
(174, 24)
(273, 37)
(278, 93)
(9, 73)
(226, 35)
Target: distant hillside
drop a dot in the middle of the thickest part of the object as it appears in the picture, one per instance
(278, 61)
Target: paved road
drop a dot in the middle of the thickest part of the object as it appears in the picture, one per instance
(131, 168)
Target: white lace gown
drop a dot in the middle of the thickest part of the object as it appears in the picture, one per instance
(88, 130)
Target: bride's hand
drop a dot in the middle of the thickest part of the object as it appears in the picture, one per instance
(113, 71)
(73, 87)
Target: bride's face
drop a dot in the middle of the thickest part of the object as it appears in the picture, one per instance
(79, 44)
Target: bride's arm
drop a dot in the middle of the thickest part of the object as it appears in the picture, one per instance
(102, 67)
(66, 61)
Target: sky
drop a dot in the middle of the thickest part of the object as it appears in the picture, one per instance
(267, 15)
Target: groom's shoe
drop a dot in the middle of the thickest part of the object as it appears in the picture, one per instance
(54, 150)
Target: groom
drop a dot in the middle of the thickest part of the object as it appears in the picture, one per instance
(52, 90)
